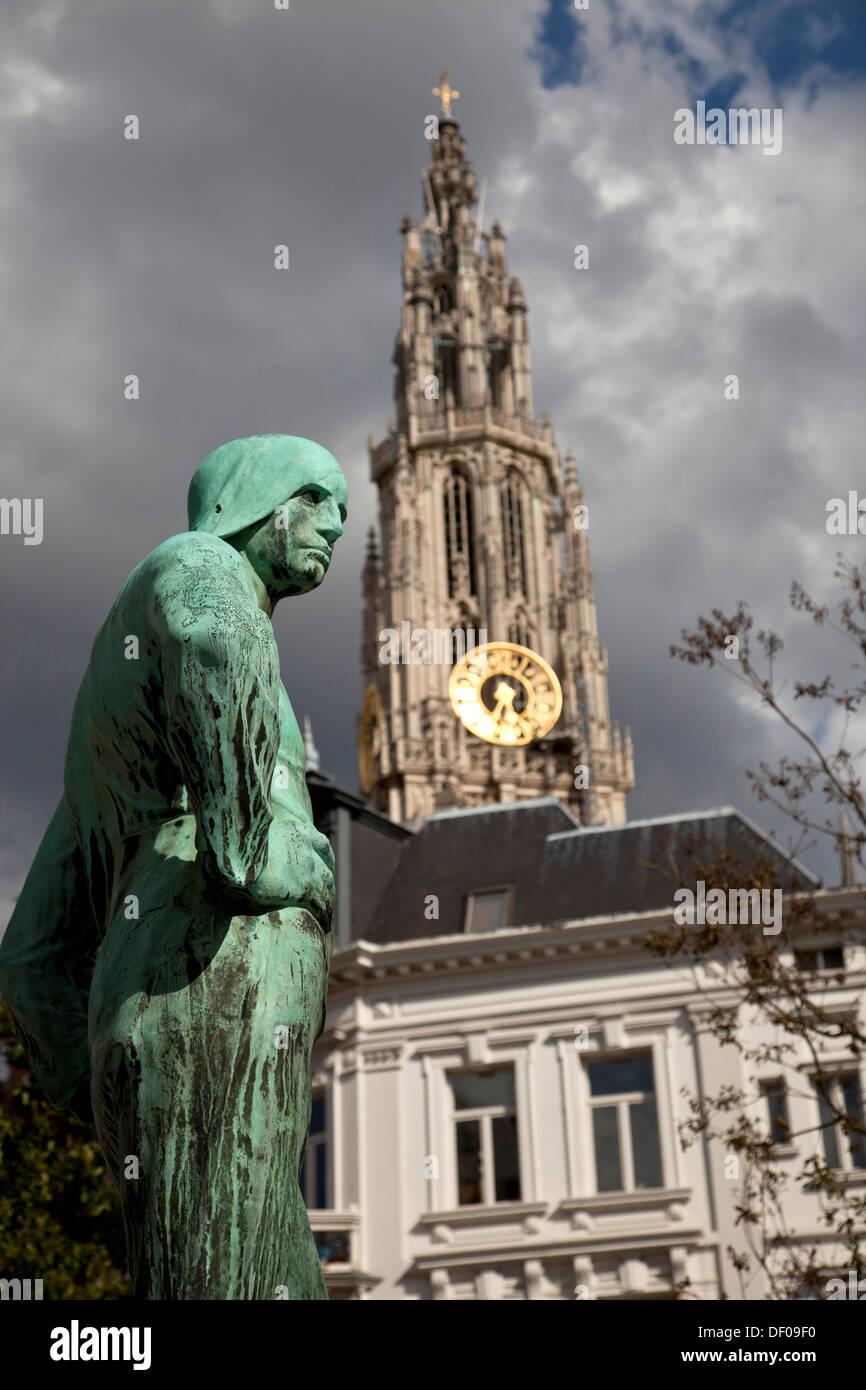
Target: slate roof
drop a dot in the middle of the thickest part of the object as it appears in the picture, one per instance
(557, 870)
(459, 850)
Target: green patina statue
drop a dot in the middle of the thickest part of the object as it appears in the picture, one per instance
(167, 960)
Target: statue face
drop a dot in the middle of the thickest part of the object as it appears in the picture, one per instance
(291, 550)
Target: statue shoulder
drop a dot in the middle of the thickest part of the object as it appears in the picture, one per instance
(194, 580)
(191, 552)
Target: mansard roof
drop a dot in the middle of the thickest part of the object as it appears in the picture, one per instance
(557, 870)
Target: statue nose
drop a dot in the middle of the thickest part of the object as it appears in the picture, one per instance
(332, 528)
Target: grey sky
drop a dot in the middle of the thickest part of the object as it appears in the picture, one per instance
(307, 127)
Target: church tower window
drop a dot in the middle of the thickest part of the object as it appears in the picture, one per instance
(443, 301)
(446, 369)
(459, 536)
(497, 365)
(512, 536)
(519, 631)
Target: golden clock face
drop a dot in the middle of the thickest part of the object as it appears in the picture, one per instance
(505, 694)
(368, 738)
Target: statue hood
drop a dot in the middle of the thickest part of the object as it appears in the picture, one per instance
(245, 481)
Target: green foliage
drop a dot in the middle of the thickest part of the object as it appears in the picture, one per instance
(59, 1212)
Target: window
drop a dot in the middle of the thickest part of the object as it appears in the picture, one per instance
(841, 1150)
(314, 1173)
(519, 632)
(485, 1124)
(624, 1123)
(824, 958)
(443, 300)
(512, 535)
(333, 1247)
(776, 1096)
(487, 909)
(464, 635)
(459, 536)
(447, 370)
(497, 364)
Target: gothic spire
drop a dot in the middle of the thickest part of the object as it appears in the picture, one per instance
(479, 526)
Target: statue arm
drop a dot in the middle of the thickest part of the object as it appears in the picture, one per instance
(221, 684)
(300, 859)
(220, 671)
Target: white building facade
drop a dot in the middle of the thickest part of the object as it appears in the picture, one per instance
(498, 1116)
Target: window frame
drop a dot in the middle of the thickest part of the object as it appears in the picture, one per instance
(320, 1140)
(781, 1136)
(820, 967)
(514, 533)
(521, 632)
(446, 369)
(497, 361)
(459, 525)
(833, 1083)
(485, 1115)
(622, 1101)
(505, 888)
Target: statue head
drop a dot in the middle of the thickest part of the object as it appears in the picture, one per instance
(279, 500)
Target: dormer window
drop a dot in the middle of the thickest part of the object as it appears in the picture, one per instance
(487, 909)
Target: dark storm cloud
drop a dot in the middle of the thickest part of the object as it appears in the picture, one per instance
(305, 127)
(156, 258)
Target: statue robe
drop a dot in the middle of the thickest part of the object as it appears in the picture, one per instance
(144, 979)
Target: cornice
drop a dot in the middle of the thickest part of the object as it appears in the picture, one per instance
(588, 939)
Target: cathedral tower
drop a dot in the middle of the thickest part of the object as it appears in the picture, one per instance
(481, 531)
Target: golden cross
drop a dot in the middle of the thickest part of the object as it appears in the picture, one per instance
(446, 92)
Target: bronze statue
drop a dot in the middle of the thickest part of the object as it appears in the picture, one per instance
(167, 960)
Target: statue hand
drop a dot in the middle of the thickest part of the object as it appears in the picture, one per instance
(322, 847)
(299, 869)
